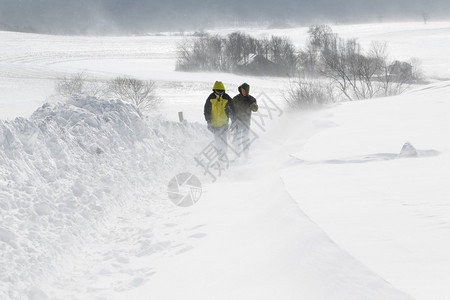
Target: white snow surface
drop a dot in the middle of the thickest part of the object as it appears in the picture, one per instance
(324, 208)
(67, 169)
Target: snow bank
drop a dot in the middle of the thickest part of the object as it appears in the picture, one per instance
(386, 206)
(261, 246)
(66, 169)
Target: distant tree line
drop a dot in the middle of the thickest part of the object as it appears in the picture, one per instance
(237, 52)
(327, 68)
(353, 73)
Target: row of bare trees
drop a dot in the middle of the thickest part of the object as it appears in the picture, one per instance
(358, 74)
(352, 73)
(217, 53)
(341, 67)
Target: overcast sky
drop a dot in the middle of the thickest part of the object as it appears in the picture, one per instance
(109, 16)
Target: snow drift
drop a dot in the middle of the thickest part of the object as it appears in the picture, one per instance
(261, 246)
(69, 167)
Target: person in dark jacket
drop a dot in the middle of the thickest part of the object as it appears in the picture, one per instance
(244, 105)
(218, 110)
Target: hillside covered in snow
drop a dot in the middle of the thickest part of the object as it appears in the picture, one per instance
(327, 206)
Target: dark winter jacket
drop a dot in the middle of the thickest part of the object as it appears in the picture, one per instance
(244, 105)
(219, 109)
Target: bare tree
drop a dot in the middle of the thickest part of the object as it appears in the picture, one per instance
(321, 40)
(138, 92)
(184, 56)
(306, 93)
(289, 58)
(71, 85)
(235, 48)
(308, 61)
(417, 72)
(360, 75)
(78, 84)
(240, 46)
(319, 36)
(214, 53)
(334, 66)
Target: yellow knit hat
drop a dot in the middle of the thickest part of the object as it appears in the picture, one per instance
(218, 85)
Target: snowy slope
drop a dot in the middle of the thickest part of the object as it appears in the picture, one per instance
(352, 173)
(258, 244)
(330, 211)
(324, 209)
(67, 170)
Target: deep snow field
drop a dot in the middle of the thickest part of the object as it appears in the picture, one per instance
(326, 207)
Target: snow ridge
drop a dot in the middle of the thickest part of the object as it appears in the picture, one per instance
(68, 167)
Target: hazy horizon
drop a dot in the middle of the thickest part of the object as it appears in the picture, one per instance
(140, 16)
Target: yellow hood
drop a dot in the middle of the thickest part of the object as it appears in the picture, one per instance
(218, 85)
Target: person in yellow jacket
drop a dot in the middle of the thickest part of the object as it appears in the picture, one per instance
(218, 110)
